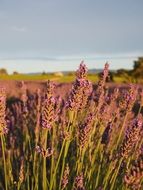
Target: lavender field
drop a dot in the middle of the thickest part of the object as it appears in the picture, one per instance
(75, 137)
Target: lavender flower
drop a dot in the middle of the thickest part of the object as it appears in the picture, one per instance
(128, 98)
(84, 130)
(79, 185)
(82, 71)
(21, 173)
(131, 138)
(24, 97)
(99, 94)
(3, 126)
(134, 175)
(81, 90)
(48, 109)
(65, 177)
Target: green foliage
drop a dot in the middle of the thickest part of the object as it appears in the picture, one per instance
(134, 76)
(15, 73)
(137, 71)
(3, 71)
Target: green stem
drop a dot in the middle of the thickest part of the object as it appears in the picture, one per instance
(99, 169)
(44, 165)
(139, 111)
(105, 182)
(121, 131)
(53, 177)
(53, 148)
(115, 176)
(63, 164)
(18, 186)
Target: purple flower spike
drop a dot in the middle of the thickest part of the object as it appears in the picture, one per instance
(81, 90)
(131, 138)
(48, 110)
(3, 126)
(82, 71)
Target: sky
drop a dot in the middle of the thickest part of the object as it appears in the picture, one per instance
(56, 35)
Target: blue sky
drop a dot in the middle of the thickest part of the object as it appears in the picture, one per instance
(37, 35)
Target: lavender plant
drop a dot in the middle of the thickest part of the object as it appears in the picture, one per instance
(90, 139)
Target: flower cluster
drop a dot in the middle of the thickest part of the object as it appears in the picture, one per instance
(24, 97)
(128, 98)
(131, 138)
(134, 176)
(82, 71)
(21, 173)
(99, 94)
(84, 130)
(3, 126)
(48, 109)
(79, 183)
(65, 178)
(81, 90)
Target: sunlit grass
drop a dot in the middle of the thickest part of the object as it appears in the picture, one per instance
(64, 78)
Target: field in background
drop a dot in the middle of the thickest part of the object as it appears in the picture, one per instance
(52, 77)
(119, 76)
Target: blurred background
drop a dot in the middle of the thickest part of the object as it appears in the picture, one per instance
(48, 39)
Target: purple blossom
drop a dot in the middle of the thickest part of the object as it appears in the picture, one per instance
(79, 183)
(100, 91)
(48, 113)
(48, 108)
(81, 90)
(82, 71)
(128, 98)
(84, 130)
(132, 136)
(3, 126)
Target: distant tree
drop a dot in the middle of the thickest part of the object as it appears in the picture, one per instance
(15, 73)
(111, 76)
(3, 71)
(134, 75)
(70, 73)
(138, 68)
(44, 73)
(121, 72)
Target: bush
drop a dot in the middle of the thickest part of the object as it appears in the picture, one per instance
(3, 71)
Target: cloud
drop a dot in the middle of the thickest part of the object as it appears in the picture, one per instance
(19, 28)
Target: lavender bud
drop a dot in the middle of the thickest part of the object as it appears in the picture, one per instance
(48, 110)
(65, 177)
(131, 138)
(84, 130)
(79, 184)
(3, 126)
